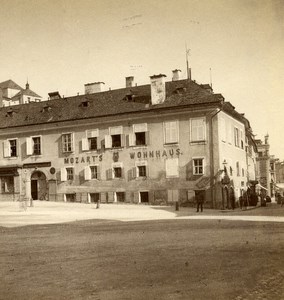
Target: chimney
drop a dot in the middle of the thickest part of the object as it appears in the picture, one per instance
(54, 96)
(176, 74)
(94, 87)
(158, 89)
(129, 81)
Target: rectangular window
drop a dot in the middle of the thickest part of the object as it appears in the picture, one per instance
(119, 197)
(242, 140)
(171, 132)
(10, 148)
(237, 137)
(115, 139)
(36, 145)
(7, 184)
(238, 168)
(198, 168)
(13, 147)
(70, 173)
(172, 167)
(67, 142)
(117, 172)
(94, 172)
(197, 129)
(92, 143)
(140, 135)
(141, 171)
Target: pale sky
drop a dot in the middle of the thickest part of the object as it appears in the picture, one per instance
(60, 45)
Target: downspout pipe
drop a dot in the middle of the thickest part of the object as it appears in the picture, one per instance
(211, 157)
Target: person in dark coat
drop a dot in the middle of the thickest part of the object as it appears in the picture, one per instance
(232, 198)
(199, 202)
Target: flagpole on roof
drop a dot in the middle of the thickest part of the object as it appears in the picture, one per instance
(188, 70)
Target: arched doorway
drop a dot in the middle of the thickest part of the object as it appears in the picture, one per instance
(38, 186)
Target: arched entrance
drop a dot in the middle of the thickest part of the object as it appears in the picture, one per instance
(38, 186)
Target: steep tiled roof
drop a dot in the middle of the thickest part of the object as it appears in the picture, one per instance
(180, 93)
(10, 84)
(26, 92)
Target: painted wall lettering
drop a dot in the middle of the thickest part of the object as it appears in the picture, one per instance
(83, 159)
(155, 154)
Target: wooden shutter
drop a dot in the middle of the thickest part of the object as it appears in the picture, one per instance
(87, 173)
(122, 140)
(29, 146)
(63, 174)
(109, 174)
(136, 197)
(147, 138)
(132, 139)
(134, 173)
(108, 141)
(172, 167)
(170, 195)
(6, 147)
(85, 144)
(98, 173)
(110, 197)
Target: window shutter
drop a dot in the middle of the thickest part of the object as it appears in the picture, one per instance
(87, 173)
(147, 137)
(98, 173)
(170, 195)
(140, 127)
(173, 132)
(108, 141)
(136, 197)
(122, 140)
(122, 172)
(109, 173)
(132, 139)
(147, 171)
(134, 173)
(92, 133)
(7, 151)
(172, 167)
(63, 174)
(85, 144)
(29, 146)
(99, 144)
(110, 197)
(73, 142)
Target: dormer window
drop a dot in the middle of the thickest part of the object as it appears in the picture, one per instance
(10, 112)
(46, 108)
(85, 103)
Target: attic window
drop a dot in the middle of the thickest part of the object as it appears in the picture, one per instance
(130, 96)
(10, 112)
(85, 103)
(180, 90)
(46, 108)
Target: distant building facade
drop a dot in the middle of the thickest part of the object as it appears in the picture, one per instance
(12, 94)
(156, 144)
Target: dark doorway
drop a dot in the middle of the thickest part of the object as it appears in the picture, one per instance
(94, 197)
(39, 190)
(34, 189)
(144, 197)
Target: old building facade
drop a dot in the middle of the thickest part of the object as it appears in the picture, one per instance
(156, 143)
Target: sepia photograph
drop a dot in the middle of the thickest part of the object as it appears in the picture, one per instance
(141, 149)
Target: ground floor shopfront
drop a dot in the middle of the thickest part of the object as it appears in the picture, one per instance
(40, 182)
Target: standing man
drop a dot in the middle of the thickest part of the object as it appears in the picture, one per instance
(199, 200)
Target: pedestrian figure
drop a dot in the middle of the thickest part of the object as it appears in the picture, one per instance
(282, 199)
(232, 198)
(245, 200)
(98, 204)
(241, 202)
(199, 201)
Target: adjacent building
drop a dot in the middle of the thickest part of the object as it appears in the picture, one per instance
(12, 94)
(156, 143)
